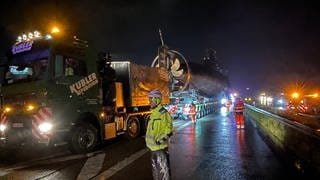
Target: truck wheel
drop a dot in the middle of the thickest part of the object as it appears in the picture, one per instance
(133, 128)
(83, 139)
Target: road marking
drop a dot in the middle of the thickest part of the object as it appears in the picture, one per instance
(27, 163)
(120, 165)
(183, 126)
(7, 170)
(124, 163)
(92, 167)
(45, 161)
(177, 123)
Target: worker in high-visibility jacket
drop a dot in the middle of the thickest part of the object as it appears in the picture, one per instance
(238, 110)
(159, 130)
(193, 113)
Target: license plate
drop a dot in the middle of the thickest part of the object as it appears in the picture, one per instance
(17, 125)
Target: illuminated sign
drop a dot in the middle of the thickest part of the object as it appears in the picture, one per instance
(21, 47)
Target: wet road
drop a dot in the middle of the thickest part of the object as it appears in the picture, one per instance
(214, 149)
(211, 149)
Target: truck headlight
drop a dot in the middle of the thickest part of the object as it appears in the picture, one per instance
(45, 127)
(7, 109)
(2, 127)
(30, 107)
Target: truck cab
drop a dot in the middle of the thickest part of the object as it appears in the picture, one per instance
(36, 85)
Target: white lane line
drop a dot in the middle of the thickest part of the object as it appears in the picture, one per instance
(120, 165)
(45, 161)
(182, 126)
(27, 163)
(124, 163)
(92, 167)
(176, 123)
(97, 160)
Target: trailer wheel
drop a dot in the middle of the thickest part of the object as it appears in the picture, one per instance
(133, 128)
(83, 139)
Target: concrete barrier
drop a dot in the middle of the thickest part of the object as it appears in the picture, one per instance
(296, 140)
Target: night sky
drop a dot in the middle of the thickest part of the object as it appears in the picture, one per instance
(265, 45)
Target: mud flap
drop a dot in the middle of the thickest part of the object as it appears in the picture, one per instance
(110, 130)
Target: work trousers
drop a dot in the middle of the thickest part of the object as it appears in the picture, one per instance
(160, 165)
(239, 119)
(193, 117)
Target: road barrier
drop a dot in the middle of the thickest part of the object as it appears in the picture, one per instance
(299, 142)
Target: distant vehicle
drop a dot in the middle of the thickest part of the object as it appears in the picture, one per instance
(298, 108)
(175, 111)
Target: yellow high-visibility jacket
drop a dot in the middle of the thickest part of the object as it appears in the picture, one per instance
(159, 129)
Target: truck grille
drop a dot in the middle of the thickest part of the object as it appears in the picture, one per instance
(19, 129)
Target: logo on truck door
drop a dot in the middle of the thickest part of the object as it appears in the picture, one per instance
(84, 84)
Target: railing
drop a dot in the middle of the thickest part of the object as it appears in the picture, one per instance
(306, 125)
(307, 120)
(289, 134)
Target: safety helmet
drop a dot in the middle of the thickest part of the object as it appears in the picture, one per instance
(155, 93)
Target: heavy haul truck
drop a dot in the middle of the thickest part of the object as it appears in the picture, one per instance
(54, 93)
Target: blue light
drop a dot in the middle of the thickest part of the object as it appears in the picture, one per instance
(223, 111)
(223, 100)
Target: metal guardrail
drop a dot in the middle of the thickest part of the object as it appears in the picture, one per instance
(289, 122)
(310, 116)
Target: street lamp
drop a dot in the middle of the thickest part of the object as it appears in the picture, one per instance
(295, 95)
(55, 30)
(315, 95)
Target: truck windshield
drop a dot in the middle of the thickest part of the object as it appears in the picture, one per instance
(31, 71)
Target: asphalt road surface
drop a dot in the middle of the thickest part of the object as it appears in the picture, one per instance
(211, 149)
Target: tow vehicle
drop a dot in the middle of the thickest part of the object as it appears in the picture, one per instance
(52, 93)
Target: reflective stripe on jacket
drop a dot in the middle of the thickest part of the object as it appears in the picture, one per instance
(159, 129)
(239, 107)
